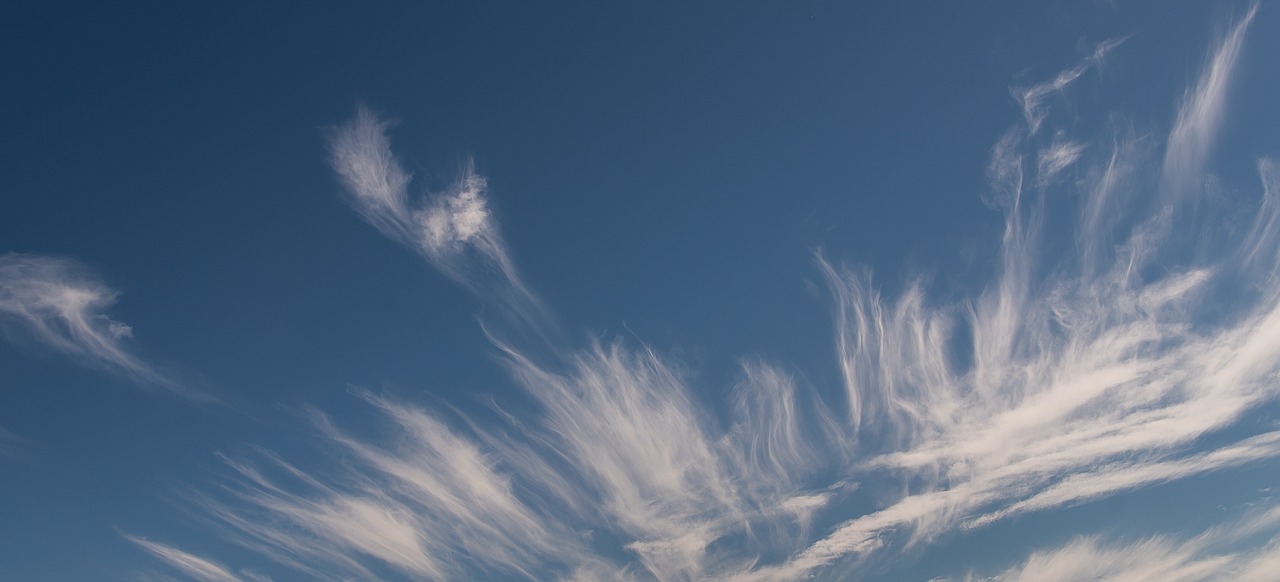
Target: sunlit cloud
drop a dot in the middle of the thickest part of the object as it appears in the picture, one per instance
(55, 304)
(191, 566)
(454, 229)
(1056, 158)
(1035, 99)
(1078, 371)
(622, 454)
(1104, 372)
(1200, 115)
(1247, 550)
(417, 505)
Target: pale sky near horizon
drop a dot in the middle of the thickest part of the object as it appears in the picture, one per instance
(711, 291)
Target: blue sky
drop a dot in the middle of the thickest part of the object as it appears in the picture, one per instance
(721, 291)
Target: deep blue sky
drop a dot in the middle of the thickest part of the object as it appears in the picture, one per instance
(662, 175)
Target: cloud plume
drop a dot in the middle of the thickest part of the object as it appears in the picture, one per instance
(1247, 550)
(192, 566)
(1034, 99)
(1105, 371)
(55, 304)
(453, 229)
(1201, 113)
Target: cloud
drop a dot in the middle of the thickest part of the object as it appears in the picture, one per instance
(1105, 372)
(1229, 551)
(8, 441)
(622, 446)
(1090, 364)
(454, 229)
(194, 567)
(1200, 114)
(652, 461)
(1121, 476)
(1034, 98)
(1058, 157)
(427, 504)
(55, 304)
(620, 454)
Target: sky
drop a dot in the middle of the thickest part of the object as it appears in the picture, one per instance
(741, 291)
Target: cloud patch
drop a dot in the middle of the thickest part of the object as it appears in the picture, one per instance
(1035, 99)
(190, 565)
(454, 229)
(1233, 551)
(56, 304)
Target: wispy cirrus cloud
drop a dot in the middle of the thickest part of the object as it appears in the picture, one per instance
(1104, 371)
(1200, 114)
(1247, 550)
(56, 304)
(190, 565)
(1034, 99)
(622, 467)
(1104, 361)
(8, 441)
(454, 229)
(418, 505)
(1057, 157)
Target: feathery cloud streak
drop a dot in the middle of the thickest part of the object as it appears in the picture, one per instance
(54, 303)
(1232, 551)
(1191, 140)
(1107, 363)
(8, 441)
(622, 464)
(194, 567)
(1034, 99)
(453, 229)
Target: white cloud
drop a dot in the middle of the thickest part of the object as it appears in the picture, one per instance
(619, 449)
(191, 565)
(1083, 373)
(56, 304)
(455, 229)
(1058, 157)
(427, 504)
(1200, 114)
(1103, 371)
(1034, 99)
(1230, 551)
